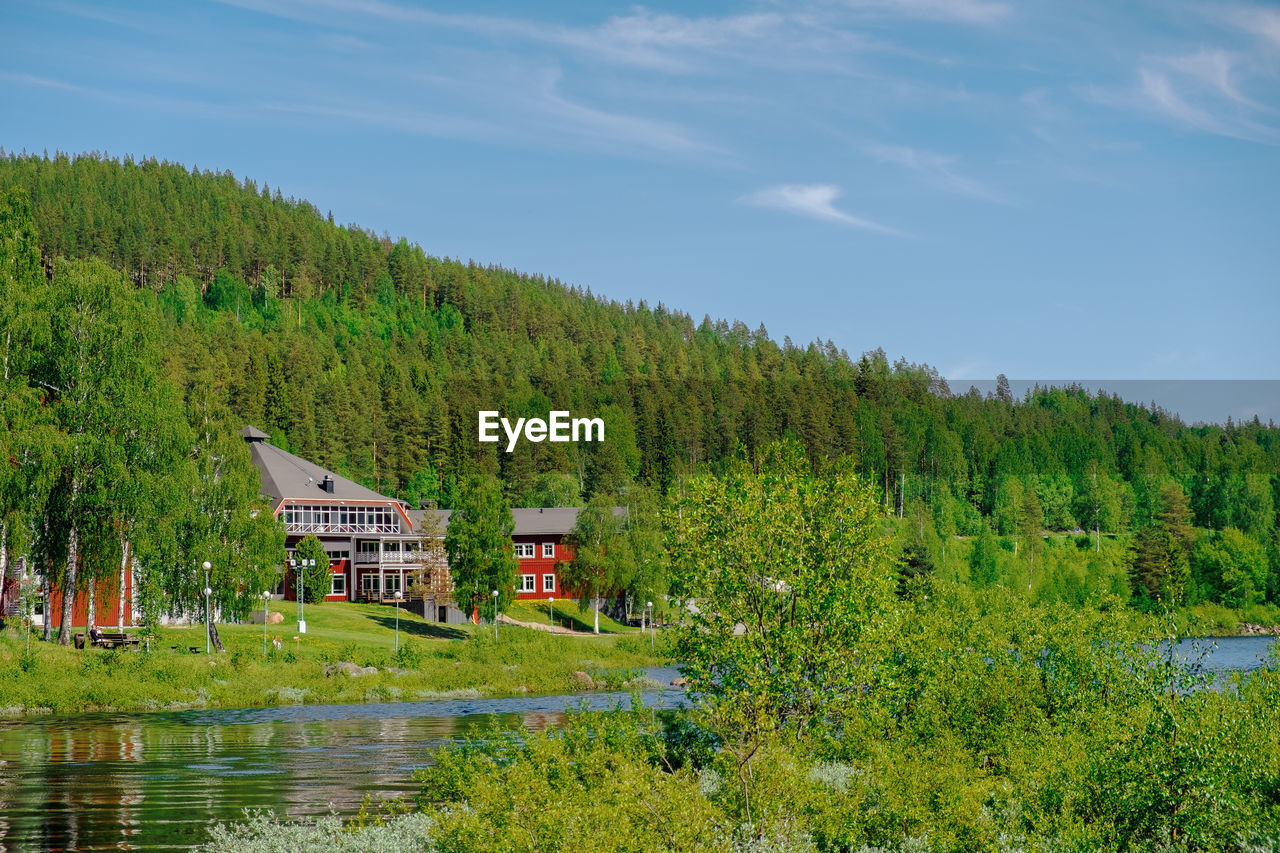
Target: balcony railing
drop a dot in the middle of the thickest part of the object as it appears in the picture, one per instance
(347, 529)
(370, 558)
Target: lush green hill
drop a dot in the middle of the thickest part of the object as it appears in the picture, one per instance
(374, 358)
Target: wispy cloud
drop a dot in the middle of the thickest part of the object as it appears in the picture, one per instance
(643, 38)
(1167, 94)
(959, 11)
(1255, 20)
(936, 169)
(1213, 69)
(816, 201)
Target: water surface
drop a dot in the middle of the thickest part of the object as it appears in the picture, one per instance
(157, 781)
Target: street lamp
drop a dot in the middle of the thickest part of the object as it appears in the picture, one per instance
(399, 595)
(551, 604)
(495, 614)
(207, 592)
(266, 598)
(651, 629)
(304, 565)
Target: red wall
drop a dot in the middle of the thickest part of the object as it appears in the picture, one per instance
(539, 565)
(106, 602)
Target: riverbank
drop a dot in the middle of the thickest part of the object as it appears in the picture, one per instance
(348, 655)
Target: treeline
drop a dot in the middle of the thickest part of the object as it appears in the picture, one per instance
(373, 358)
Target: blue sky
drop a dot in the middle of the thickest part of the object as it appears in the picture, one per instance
(1069, 189)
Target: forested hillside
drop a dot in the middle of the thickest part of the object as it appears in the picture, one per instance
(373, 358)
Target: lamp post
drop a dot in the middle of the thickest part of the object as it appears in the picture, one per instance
(399, 595)
(304, 565)
(651, 629)
(266, 597)
(495, 614)
(207, 592)
(551, 604)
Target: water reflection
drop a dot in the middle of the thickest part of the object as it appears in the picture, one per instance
(158, 781)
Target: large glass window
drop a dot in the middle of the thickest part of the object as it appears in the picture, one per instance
(339, 586)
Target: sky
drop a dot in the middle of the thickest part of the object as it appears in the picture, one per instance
(1068, 189)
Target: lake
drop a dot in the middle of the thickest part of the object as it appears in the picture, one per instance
(157, 781)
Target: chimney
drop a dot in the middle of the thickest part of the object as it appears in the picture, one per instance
(327, 484)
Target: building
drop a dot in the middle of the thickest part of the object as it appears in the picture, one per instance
(375, 549)
(378, 545)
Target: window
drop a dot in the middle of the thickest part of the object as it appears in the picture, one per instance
(548, 550)
(526, 583)
(335, 556)
(548, 583)
(370, 584)
(393, 583)
(339, 586)
(524, 550)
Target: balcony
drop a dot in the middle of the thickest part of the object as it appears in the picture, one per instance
(392, 558)
(303, 528)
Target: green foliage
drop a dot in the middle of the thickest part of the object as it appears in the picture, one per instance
(1161, 568)
(1231, 568)
(478, 544)
(983, 570)
(603, 559)
(315, 580)
(792, 591)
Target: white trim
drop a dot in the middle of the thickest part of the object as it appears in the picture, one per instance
(548, 550)
(524, 550)
(552, 587)
(527, 583)
(335, 581)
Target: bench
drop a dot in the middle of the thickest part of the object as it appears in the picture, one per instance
(113, 639)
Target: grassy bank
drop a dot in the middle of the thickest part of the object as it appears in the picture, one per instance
(434, 661)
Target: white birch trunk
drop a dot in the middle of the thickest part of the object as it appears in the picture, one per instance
(124, 565)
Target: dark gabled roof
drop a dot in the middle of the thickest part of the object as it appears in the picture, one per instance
(285, 476)
(530, 521)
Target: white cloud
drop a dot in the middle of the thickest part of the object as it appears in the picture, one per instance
(1213, 69)
(816, 201)
(937, 169)
(960, 11)
(1256, 20)
(1162, 93)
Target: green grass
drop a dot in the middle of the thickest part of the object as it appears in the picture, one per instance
(434, 661)
(569, 613)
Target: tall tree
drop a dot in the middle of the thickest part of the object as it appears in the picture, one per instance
(787, 584)
(1032, 528)
(478, 544)
(602, 557)
(1161, 566)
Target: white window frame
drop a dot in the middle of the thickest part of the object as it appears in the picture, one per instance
(524, 550)
(369, 583)
(338, 580)
(527, 583)
(548, 550)
(549, 587)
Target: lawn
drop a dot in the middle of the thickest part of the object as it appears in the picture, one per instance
(433, 661)
(571, 613)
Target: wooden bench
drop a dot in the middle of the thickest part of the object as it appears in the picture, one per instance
(113, 639)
